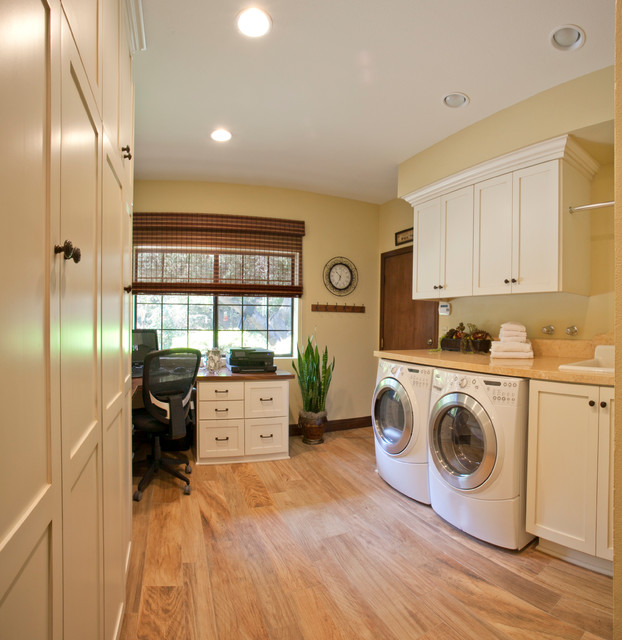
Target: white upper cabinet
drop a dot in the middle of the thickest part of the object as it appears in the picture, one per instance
(444, 244)
(524, 239)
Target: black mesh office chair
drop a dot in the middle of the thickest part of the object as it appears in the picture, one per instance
(143, 341)
(169, 377)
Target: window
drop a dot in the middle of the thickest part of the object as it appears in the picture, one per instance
(205, 321)
(216, 280)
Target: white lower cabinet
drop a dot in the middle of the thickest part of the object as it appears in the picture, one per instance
(569, 470)
(242, 421)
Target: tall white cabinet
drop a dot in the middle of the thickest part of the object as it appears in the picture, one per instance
(65, 377)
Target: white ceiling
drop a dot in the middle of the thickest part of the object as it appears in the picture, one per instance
(340, 91)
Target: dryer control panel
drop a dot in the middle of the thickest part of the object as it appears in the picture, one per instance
(501, 391)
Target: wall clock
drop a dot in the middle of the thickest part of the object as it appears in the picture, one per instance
(340, 276)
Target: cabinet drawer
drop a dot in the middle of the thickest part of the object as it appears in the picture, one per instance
(221, 410)
(266, 435)
(221, 438)
(264, 399)
(225, 390)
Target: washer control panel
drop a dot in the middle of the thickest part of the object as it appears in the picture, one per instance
(501, 391)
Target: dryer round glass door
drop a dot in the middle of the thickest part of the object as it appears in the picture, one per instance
(392, 416)
(462, 440)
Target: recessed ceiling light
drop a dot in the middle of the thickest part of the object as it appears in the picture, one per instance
(568, 37)
(254, 22)
(220, 135)
(455, 100)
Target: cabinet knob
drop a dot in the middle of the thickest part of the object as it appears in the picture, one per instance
(591, 403)
(126, 152)
(513, 280)
(603, 404)
(506, 281)
(436, 286)
(440, 286)
(70, 252)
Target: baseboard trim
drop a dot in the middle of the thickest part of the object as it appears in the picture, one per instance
(336, 425)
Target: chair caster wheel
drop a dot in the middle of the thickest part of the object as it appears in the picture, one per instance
(138, 496)
(187, 489)
(188, 469)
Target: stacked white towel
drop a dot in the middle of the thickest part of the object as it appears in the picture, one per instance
(512, 343)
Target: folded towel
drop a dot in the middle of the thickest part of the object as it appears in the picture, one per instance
(510, 355)
(512, 336)
(498, 346)
(514, 326)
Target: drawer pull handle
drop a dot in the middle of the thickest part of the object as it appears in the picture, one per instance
(221, 390)
(222, 439)
(221, 410)
(265, 399)
(266, 437)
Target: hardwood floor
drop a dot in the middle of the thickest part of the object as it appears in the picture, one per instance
(318, 547)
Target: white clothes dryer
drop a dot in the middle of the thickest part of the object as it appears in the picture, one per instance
(477, 444)
(400, 416)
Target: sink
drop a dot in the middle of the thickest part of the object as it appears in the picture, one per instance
(602, 362)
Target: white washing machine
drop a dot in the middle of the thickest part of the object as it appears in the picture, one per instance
(400, 419)
(477, 437)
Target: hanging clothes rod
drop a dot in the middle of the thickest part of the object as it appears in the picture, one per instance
(585, 207)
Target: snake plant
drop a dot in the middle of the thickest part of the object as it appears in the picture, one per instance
(314, 376)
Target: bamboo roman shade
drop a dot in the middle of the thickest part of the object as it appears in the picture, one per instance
(208, 253)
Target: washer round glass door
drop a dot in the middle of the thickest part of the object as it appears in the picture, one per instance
(462, 441)
(392, 416)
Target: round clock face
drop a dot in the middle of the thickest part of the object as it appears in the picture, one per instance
(340, 276)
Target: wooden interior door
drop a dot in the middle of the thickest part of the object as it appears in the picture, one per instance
(404, 323)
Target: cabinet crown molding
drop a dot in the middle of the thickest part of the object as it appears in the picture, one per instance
(563, 147)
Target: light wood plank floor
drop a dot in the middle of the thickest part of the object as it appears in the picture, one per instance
(318, 547)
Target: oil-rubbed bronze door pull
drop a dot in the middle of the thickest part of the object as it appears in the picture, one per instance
(70, 252)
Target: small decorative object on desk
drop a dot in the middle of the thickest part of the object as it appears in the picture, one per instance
(471, 340)
(213, 360)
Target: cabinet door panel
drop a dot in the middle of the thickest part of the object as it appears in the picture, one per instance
(492, 236)
(535, 256)
(30, 517)
(80, 362)
(606, 430)
(457, 243)
(427, 249)
(562, 464)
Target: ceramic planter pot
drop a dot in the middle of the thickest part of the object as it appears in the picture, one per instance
(312, 425)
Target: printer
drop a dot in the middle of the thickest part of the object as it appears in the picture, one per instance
(250, 360)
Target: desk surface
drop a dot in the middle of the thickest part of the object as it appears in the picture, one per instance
(224, 374)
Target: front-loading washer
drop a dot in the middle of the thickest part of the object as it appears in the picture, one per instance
(399, 417)
(477, 446)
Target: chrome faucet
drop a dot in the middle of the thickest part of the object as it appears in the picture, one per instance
(549, 329)
(572, 331)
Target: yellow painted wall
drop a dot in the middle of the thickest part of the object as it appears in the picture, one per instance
(334, 227)
(617, 479)
(567, 107)
(546, 115)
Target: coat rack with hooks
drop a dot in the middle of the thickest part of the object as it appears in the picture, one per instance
(339, 308)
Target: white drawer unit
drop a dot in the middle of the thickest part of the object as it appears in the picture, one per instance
(242, 420)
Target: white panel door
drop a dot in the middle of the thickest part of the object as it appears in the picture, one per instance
(492, 236)
(562, 467)
(80, 361)
(535, 233)
(116, 382)
(30, 465)
(427, 249)
(457, 243)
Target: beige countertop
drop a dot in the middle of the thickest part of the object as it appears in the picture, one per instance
(544, 366)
